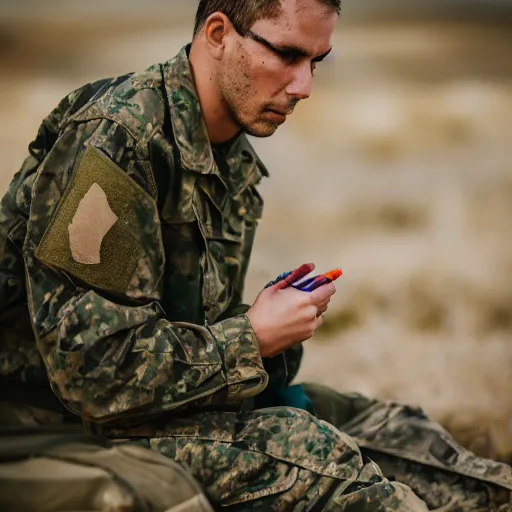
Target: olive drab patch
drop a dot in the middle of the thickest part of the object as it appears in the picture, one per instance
(92, 221)
(93, 232)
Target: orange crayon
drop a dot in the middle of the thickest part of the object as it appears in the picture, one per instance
(333, 274)
(315, 282)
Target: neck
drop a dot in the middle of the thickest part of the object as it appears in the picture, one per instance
(220, 126)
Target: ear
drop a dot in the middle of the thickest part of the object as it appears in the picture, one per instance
(216, 30)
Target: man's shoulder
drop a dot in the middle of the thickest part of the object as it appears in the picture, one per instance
(135, 101)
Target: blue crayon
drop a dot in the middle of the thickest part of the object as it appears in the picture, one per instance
(278, 279)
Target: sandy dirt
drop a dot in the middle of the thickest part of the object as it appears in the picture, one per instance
(398, 169)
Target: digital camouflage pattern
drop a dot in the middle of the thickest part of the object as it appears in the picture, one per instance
(158, 345)
(148, 366)
(410, 448)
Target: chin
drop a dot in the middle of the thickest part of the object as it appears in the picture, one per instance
(261, 130)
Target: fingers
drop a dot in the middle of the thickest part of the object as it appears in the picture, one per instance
(319, 322)
(325, 303)
(322, 308)
(323, 293)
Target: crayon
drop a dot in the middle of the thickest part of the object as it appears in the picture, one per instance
(315, 282)
(333, 274)
(296, 275)
(293, 278)
(302, 284)
(286, 279)
(278, 279)
(320, 281)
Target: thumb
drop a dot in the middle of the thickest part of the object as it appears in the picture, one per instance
(323, 293)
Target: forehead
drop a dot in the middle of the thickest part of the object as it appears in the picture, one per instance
(308, 24)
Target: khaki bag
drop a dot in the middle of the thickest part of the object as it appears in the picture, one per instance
(61, 469)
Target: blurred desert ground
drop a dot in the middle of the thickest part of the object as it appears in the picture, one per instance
(398, 169)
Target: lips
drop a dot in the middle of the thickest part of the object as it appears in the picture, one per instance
(280, 112)
(275, 116)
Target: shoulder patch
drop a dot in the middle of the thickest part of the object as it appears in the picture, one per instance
(93, 233)
(91, 223)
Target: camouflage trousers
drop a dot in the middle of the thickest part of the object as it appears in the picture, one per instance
(357, 455)
(412, 449)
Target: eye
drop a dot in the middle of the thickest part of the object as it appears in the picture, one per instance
(313, 67)
(288, 57)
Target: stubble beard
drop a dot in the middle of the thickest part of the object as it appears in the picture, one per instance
(235, 87)
(254, 126)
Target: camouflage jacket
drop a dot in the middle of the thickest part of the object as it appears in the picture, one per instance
(130, 248)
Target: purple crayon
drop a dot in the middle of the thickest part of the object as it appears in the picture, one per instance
(315, 282)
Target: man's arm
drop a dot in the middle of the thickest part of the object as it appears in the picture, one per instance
(110, 353)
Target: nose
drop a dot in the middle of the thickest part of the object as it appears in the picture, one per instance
(300, 87)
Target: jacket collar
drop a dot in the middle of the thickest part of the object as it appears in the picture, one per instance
(190, 132)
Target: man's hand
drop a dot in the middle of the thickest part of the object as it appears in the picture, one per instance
(282, 318)
(322, 307)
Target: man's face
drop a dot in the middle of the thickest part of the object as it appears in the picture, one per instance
(264, 74)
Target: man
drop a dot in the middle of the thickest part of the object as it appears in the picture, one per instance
(135, 216)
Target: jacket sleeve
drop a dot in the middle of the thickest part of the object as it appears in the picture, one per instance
(283, 368)
(19, 357)
(12, 230)
(110, 353)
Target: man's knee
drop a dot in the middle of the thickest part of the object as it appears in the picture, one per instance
(369, 492)
(376, 497)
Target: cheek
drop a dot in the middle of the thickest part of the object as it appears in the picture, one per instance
(267, 78)
(242, 74)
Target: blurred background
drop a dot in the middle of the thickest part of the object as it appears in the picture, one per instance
(398, 169)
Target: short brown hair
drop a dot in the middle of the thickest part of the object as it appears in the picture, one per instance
(244, 13)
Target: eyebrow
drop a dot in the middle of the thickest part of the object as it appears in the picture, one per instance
(287, 50)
